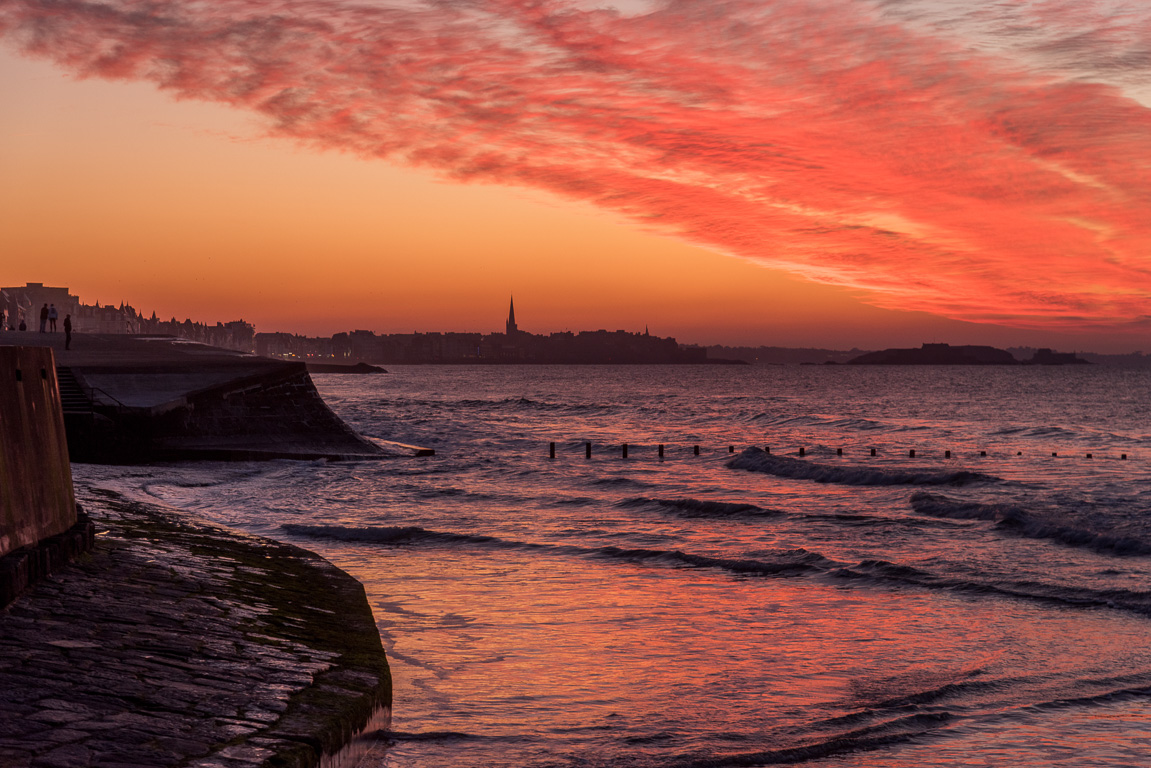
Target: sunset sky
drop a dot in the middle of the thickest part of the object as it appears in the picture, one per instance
(823, 173)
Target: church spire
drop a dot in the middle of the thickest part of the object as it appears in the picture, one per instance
(512, 329)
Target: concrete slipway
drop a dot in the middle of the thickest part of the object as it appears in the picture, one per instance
(132, 399)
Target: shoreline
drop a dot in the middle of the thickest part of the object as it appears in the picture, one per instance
(175, 641)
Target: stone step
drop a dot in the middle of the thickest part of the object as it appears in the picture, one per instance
(73, 398)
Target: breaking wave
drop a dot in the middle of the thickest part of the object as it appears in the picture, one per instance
(784, 562)
(1038, 523)
(757, 460)
(882, 571)
(696, 508)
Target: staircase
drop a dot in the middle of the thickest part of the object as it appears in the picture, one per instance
(73, 399)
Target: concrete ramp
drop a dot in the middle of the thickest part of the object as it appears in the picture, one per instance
(138, 399)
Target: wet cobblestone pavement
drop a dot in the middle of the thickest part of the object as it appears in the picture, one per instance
(176, 642)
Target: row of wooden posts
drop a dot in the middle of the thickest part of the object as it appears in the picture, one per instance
(802, 451)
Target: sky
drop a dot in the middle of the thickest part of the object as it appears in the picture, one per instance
(838, 173)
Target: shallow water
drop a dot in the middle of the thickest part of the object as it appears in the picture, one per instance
(736, 608)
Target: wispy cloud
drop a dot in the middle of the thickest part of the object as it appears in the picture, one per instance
(983, 161)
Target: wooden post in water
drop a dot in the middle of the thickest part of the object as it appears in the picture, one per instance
(587, 450)
(838, 451)
(625, 450)
(697, 450)
(731, 449)
(947, 454)
(1054, 454)
(1123, 457)
(767, 449)
(661, 450)
(801, 451)
(1090, 456)
(983, 453)
(552, 450)
(911, 453)
(872, 451)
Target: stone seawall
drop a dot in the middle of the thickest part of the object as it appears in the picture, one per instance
(36, 500)
(179, 643)
(23, 567)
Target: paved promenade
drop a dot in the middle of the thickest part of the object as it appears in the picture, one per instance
(178, 643)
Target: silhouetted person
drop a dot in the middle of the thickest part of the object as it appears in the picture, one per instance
(52, 315)
(67, 331)
(23, 325)
(43, 317)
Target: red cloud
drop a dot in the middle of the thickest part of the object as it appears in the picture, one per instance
(827, 138)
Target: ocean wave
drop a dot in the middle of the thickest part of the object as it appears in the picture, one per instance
(409, 534)
(879, 695)
(843, 423)
(880, 571)
(611, 482)
(526, 404)
(1075, 436)
(941, 506)
(1034, 524)
(777, 420)
(936, 694)
(1141, 689)
(438, 736)
(697, 508)
(882, 521)
(785, 562)
(1076, 537)
(873, 737)
(781, 563)
(757, 460)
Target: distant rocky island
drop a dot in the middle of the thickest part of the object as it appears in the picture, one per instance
(1047, 357)
(945, 354)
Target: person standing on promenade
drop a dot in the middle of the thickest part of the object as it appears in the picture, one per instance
(67, 331)
(52, 315)
(43, 317)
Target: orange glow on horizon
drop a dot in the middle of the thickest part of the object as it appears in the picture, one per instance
(735, 179)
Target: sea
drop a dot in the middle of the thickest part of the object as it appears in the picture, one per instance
(802, 590)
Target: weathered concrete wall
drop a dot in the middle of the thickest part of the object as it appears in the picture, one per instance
(36, 497)
(276, 413)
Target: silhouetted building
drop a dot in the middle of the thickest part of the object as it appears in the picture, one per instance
(512, 328)
(512, 346)
(24, 302)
